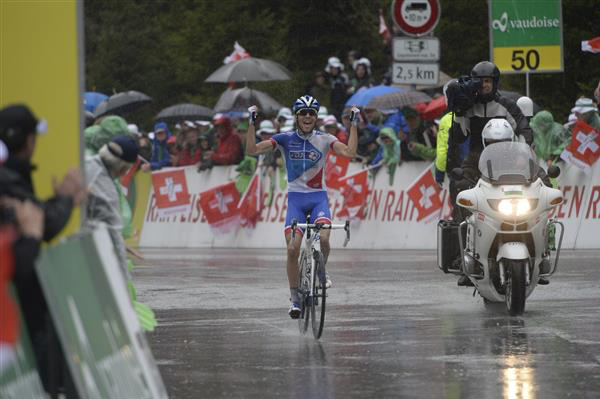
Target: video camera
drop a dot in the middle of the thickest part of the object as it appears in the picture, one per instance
(461, 94)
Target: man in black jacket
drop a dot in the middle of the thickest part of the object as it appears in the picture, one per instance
(18, 130)
(474, 103)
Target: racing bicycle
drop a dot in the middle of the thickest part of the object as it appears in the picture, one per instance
(312, 278)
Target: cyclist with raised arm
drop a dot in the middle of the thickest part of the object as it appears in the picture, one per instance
(304, 152)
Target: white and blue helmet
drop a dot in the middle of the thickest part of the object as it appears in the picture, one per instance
(305, 102)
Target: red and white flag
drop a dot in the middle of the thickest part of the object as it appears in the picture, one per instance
(128, 177)
(220, 207)
(584, 149)
(239, 53)
(425, 194)
(336, 167)
(592, 45)
(249, 205)
(171, 192)
(355, 190)
(383, 29)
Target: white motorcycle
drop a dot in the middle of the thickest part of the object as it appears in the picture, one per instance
(503, 244)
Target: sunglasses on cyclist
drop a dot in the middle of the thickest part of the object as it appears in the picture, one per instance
(304, 112)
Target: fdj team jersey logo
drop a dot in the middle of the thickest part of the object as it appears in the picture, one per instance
(311, 155)
(504, 24)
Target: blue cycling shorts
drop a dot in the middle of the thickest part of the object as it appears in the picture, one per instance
(302, 204)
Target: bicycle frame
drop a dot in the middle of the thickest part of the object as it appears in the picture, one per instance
(309, 239)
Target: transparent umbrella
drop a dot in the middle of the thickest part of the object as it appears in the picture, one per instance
(119, 103)
(250, 69)
(185, 111)
(398, 100)
(241, 99)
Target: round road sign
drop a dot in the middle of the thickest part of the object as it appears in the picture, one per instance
(416, 17)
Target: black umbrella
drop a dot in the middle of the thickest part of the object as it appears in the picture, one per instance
(249, 69)
(181, 112)
(513, 95)
(241, 99)
(122, 102)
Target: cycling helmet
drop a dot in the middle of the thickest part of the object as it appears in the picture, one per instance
(497, 130)
(305, 102)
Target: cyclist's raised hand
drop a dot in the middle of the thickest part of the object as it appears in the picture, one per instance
(354, 115)
(253, 113)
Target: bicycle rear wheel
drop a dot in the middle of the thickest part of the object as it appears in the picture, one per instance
(317, 309)
(303, 292)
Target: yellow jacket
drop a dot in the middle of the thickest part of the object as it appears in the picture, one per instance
(442, 142)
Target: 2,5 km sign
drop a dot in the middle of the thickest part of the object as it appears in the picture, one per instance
(526, 36)
(412, 73)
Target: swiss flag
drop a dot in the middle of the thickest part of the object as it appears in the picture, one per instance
(126, 179)
(220, 207)
(355, 190)
(383, 29)
(171, 191)
(584, 149)
(239, 53)
(425, 195)
(250, 203)
(592, 45)
(336, 166)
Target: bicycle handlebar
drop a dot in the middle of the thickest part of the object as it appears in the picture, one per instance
(321, 226)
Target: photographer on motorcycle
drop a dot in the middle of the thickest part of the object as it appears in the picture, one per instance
(475, 100)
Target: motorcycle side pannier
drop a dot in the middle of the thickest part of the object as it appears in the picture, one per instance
(448, 246)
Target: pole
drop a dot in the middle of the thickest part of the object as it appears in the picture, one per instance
(527, 84)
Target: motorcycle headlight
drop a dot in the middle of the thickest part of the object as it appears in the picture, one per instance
(514, 206)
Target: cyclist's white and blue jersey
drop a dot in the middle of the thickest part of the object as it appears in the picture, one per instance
(305, 163)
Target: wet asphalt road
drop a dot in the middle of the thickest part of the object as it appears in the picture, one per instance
(396, 326)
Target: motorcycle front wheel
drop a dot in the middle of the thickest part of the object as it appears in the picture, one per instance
(515, 286)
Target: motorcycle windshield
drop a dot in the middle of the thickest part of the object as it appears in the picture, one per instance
(508, 163)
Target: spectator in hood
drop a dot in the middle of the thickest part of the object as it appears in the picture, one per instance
(330, 125)
(160, 153)
(391, 151)
(97, 135)
(550, 138)
(362, 76)
(102, 172)
(229, 147)
(352, 57)
(338, 81)
(586, 110)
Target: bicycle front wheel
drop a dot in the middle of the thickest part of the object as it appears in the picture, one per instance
(317, 309)
(304, 282)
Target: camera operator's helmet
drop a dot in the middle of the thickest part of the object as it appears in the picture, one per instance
(486, 69)
(305, 102)
(495, 131)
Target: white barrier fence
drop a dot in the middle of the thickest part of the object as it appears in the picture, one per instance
(391, 221)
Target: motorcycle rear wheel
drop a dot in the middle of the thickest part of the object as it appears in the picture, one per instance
(515, 286)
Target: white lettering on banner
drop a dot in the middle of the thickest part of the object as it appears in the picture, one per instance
(426, 194)
(221, 202)
(171, 189)
(588, 141)
(390, 217)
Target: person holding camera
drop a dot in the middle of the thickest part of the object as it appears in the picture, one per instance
(474, 100)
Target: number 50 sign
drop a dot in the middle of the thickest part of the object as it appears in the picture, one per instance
(526, 36)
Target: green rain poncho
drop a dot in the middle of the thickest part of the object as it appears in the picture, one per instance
(550, 137)
(246, 170)
(97, 135)
(391, 152)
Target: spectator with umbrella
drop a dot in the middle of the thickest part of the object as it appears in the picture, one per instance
(420, 132)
